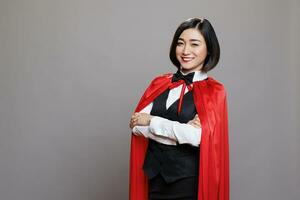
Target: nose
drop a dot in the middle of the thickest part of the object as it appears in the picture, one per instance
(186, 50)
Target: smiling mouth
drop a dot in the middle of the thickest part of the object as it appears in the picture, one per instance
(187, 59)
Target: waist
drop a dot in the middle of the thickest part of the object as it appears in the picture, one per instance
(153, 145)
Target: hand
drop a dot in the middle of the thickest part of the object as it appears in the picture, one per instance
(195, 122)
(140, 119)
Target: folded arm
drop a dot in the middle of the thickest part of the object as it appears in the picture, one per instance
(168, 132)
(180, 132)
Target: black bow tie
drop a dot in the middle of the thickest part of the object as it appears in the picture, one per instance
(188, 79)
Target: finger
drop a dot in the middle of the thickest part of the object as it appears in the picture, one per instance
(132, 124)
(131, 121)
(196, 120)
(192, 121)
(197, 123)
(134, 119)
(137, 116)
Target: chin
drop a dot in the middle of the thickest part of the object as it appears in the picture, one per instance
(188, 68)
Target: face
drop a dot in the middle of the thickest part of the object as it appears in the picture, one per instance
(191, 50)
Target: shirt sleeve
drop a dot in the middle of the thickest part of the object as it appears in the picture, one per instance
(145, 131)
(181, 132)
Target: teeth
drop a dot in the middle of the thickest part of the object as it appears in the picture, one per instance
(187, 59)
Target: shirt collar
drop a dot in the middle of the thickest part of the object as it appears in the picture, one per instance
(198, 76)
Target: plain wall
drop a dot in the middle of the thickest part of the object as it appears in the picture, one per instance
(72, 72)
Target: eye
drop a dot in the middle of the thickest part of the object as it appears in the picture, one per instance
(195, 44)
(179, 43)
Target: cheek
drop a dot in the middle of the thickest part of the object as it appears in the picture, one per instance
(202, 52)
(177, 52)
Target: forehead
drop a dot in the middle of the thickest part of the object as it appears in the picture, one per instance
(191, 33)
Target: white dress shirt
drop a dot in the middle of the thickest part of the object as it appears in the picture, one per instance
(170, 132)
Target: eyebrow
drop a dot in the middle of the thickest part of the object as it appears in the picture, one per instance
(192, 40)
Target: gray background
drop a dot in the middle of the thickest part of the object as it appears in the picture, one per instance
(71, 73)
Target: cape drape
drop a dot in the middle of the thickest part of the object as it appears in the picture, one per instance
(211, 105)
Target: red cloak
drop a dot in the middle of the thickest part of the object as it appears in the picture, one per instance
(211, 105)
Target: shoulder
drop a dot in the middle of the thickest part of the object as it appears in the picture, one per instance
(212, 82)
(162, 77)
(216, 87)
(158, 82)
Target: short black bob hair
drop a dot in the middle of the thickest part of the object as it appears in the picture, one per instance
(211, 40)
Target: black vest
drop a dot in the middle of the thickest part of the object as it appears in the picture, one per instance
(172, 162)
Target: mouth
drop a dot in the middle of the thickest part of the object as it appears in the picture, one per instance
(187, 59)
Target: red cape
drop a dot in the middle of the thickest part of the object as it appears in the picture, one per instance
(211, 105)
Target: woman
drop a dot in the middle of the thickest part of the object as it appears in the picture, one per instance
(179, 146)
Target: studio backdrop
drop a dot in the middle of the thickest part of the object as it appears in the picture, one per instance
(72, 72)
